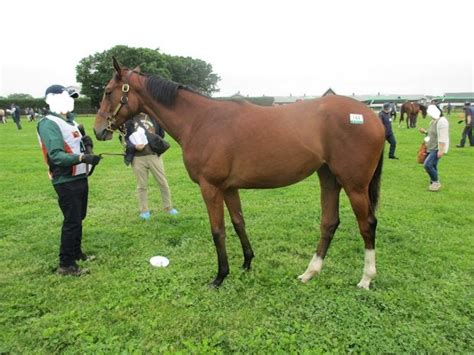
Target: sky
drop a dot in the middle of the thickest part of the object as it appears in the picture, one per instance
(272, 48)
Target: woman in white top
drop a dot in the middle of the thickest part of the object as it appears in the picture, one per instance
(437, 144)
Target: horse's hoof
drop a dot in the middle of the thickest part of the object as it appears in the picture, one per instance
(364, 285)
(212, 286)
(246, 266)
(304, 278)
(216, 283)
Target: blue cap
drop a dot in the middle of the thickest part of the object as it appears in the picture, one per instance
(59, 89)
(387, 105)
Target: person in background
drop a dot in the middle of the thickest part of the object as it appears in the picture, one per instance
(468, 124)
(144, 160)
(31, 114)
(393, 111)
(386, 118)
(16, 113)
(449, 108)
(437, 144)
(65, 151)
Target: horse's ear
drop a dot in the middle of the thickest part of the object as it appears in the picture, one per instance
(137, 69)
(117, 67)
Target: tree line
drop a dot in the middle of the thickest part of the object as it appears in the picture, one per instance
(95, 70)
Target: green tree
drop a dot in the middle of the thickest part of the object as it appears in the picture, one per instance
(193, 72)
(19, 97)
(94, 71)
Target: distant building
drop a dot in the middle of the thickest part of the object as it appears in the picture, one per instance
(456, 98)
(374, 101)
(397, 99)
(283, 100)
(329, 92)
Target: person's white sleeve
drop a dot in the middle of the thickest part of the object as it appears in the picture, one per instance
(443, 133)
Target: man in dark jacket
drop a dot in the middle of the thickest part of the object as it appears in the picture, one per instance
(468, 125)
(16, 115)
(144, 160)
(389, 136)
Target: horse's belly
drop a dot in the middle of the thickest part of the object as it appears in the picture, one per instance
(271, 173)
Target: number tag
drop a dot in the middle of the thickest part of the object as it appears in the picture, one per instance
(356, 118)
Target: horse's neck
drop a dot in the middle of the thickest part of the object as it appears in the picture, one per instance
(178, 118)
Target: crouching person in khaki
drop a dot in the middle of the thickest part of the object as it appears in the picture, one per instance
(144, 160)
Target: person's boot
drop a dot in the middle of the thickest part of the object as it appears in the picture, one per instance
(72, 270)
(85, 257)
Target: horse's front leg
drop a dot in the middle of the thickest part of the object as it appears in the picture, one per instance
(214, 199)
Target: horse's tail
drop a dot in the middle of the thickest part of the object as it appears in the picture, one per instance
(374, 186)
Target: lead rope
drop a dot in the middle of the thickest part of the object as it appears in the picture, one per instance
(122, 131)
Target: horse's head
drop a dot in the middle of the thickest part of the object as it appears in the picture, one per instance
(119, 103)
(423, 110)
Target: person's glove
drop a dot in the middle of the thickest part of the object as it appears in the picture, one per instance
(88, 144)
(91, 159)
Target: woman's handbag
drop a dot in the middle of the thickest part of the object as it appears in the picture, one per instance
(422, 153)
(156, 143)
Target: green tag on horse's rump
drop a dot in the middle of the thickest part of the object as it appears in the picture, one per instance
(356, 118)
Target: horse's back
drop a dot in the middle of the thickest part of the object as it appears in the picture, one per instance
(333, 121)
(256, 146)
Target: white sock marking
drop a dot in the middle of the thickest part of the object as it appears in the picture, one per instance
(369, 269)
(314, 267)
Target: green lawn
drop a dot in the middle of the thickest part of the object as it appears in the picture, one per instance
(421, 300)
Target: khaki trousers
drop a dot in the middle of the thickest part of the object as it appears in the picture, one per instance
(141, 166)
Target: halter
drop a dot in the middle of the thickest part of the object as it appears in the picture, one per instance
(112, 119)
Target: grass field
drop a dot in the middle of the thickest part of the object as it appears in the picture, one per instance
(421, 300)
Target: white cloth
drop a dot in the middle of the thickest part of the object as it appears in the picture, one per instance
(138, 137)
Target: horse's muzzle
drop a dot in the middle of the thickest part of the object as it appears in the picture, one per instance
(103, 134)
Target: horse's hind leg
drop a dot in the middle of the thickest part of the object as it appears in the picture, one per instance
(232, 201)
(330, 190)
(367, 226)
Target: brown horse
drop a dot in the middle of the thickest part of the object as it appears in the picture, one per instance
(411, 109)
(228, 145)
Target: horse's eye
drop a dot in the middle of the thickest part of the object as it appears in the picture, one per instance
(107, 93)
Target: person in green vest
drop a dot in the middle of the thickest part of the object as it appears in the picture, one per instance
(69, 157)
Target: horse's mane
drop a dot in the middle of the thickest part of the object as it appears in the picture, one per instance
(165, 91)
(162, 90)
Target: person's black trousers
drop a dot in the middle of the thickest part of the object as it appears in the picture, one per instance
(467, 133)
(18, 123)
(72, 199)
(393, 144)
